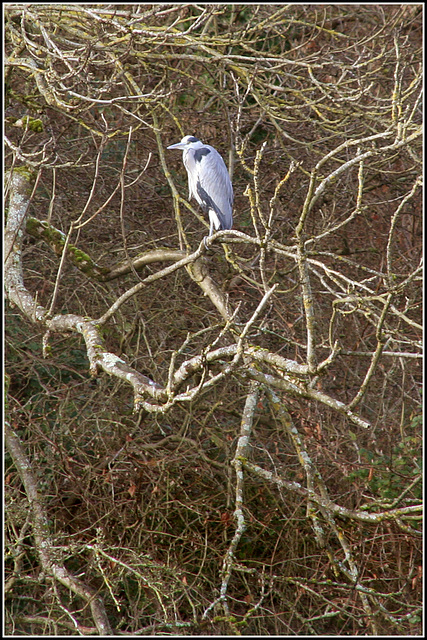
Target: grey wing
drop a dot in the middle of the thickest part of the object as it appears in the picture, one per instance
(214, 186)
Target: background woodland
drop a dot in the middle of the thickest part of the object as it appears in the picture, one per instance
(223, 442)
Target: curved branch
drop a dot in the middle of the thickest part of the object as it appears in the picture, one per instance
(46, 548)
(411, 512)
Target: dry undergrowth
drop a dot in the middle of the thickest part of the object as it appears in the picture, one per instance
(269, 481)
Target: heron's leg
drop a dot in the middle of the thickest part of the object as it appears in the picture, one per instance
(211, 226)
(211, 230)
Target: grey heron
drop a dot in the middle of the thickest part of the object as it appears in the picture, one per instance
(208, 181)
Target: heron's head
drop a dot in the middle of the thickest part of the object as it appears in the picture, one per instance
(188, 142)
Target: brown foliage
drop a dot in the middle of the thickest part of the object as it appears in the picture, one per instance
(310, 525)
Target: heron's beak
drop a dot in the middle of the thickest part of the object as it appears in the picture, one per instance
(178, 145)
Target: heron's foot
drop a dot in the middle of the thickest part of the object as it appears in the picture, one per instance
(207, 246)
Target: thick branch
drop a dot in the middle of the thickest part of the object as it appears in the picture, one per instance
(44, 543)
